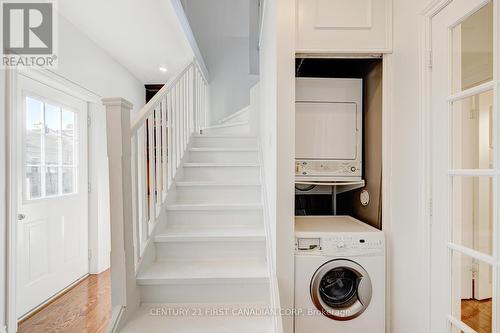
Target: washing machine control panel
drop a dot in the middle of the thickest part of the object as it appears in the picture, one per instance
(351, 245)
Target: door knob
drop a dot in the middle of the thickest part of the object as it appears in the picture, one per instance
(21, 217)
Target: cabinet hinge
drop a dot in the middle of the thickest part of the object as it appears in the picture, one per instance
(430, 208)
(429, 58)
(90, 254)
(89, 187)
(88, 121)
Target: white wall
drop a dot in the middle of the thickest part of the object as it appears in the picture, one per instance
(83, 62)
(277, 132)
(406, 233)
(86, 64)
(221, 29)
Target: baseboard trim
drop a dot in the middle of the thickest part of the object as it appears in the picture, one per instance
(233, 115)
(116, 318)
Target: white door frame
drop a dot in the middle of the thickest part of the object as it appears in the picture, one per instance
(425, 70)
(54, 80)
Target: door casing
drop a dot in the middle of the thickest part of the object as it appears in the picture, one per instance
(46, 77)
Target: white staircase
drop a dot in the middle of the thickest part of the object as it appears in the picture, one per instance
(210, 250)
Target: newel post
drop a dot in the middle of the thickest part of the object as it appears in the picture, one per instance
(123, 284)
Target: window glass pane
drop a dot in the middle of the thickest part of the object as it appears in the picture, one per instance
(472, 213)
(68, 180)
(51, 150)
(34, 128)
(67, 150)
(472, 143)
(51, 181)
(52, 130)
(52, 119)
(68, 123)
(33, 182)
(473, 50)
(471, 292)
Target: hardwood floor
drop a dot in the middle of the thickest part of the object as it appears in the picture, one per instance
(477, 315)
(86, 308)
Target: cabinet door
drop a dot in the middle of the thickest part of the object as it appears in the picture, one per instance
(345, 26)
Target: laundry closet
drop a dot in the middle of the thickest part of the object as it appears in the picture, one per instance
(338, 137)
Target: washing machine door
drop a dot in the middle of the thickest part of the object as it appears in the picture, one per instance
(341, 289)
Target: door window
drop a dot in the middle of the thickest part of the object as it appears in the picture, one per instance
(465, 169)
(50, 152)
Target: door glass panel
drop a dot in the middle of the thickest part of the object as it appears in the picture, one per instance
(473, 50)
(68, 137)
(34, 128)
(472, 213)
(51, 181)
(33, 182)
(472, 292)
(50, 149)
(68, 180)
(472, 137)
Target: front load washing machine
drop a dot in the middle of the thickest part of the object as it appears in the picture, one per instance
(339, 276)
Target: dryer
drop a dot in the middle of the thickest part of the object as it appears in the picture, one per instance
(339, 275)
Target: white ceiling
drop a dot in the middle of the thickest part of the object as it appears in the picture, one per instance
(140, 35)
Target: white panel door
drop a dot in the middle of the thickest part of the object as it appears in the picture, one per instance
(52, 248)
(465, 170)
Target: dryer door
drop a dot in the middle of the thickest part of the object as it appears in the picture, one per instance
(341, 289)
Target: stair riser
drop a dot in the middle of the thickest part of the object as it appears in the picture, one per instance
(210, 250)
(219, 173)
(218, 194)
(219, 218)
(223, 157)
(210, 142)
(236, 130)
(205, 293)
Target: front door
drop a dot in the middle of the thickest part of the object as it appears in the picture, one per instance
(464, 167)
(52, 244)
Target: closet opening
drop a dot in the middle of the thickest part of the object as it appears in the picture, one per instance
(339, 138)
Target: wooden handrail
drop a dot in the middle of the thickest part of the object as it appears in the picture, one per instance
(146, 110)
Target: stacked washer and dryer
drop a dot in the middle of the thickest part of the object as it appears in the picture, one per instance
(340, 273)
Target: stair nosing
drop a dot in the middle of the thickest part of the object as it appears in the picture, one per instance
(217, 164)
(225, 136)
(172, 207)
(165, 238)
(216, 149)
(148, 281)
(262, 275)
(213, 183)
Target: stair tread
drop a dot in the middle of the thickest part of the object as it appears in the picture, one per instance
(214, 183)
(146, 319)
(165, 271)
(221, 149)
(210, 232)
(224, 136)
(219, 164)
(214, 206)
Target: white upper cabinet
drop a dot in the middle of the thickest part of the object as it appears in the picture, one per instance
(345, 26)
